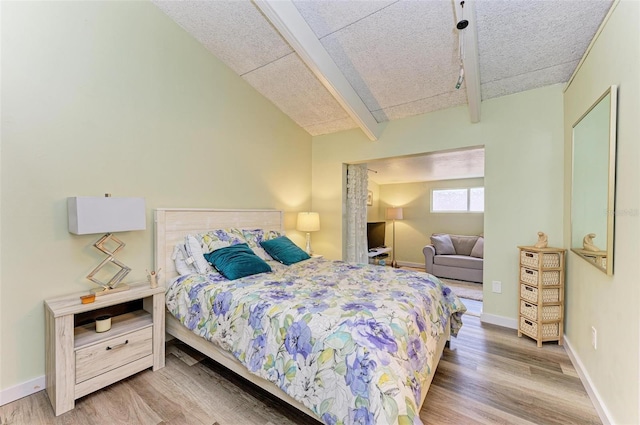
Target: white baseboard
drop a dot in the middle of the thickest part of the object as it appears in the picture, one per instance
(22, 390)
(409, 264)
(505, 322)
(603, 412)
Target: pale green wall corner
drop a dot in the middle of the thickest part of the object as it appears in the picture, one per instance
(522, 136)
(419, 223)
(115, 97)
(610, 304)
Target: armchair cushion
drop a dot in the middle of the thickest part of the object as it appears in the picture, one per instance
(463, 244)
(443, 244)
(459, 261)
(478, 248)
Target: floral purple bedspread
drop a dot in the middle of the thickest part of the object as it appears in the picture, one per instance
(351, 342)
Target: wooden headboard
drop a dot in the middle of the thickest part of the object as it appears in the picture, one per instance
(173, 224)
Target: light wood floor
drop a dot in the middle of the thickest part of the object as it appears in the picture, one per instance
(488, 376)
(474, 308)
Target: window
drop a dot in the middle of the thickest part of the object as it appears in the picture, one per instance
(458, 200)
(476, 199)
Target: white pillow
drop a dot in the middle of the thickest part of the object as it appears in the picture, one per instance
(194, 250)
(184, 263)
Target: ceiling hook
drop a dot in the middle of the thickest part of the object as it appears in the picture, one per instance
(463, 23)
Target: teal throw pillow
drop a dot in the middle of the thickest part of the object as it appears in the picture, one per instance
(283, 250)
(237, 261)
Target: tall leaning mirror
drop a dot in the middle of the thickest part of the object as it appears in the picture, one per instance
(593, 182)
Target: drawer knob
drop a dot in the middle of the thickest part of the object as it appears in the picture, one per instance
(118, 345)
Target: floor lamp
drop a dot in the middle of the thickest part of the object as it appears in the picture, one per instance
(394, 213)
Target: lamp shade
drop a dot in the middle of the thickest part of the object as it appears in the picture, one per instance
(308, 222)
(89, 215)
(394, 213)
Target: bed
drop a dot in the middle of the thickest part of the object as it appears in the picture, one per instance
(341, 342)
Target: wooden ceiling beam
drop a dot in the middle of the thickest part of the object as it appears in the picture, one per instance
(470, 61)
(284, 16)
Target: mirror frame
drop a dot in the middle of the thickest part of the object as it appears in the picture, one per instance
(610, 211)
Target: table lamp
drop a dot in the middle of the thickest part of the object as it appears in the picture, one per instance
(394, 213)
(308, 222)
(92, 215)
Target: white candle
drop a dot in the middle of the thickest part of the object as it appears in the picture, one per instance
(103, 323)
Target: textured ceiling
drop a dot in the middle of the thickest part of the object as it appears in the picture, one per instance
(458, 164)
(527, 44)
(401, 57)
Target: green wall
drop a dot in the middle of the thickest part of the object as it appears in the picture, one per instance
(522, 136)
(610, 304)
(373, 211)
(115, 97)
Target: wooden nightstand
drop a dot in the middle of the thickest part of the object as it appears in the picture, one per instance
(79, 361)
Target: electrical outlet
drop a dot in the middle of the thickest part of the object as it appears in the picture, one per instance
(594, 338)
(496, 286)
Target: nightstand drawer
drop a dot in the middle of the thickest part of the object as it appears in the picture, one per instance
(113, 353)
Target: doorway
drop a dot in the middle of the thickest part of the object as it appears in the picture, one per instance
(409, 182)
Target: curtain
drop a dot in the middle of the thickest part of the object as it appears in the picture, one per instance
(357, 180)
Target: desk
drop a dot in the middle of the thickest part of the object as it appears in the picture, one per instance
(379, 256)
(379, 251)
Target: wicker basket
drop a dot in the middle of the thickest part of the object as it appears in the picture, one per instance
(551, 312)
(550, 330)
(530, 327)
(530, 311)
(528, 258)
(532, 259)
(530, 293)
(598, 260)
(529, 276)
(551, 295)
(551, 260)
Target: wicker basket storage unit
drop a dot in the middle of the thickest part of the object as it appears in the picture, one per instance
(541, 304)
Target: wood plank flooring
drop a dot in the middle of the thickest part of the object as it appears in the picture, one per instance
(474, 308)
(487, 376)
